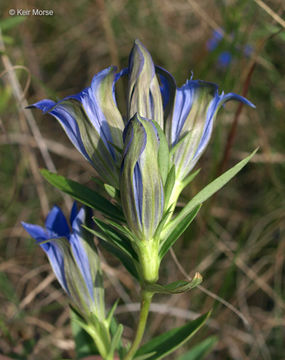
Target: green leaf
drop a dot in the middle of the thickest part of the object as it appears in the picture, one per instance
(126, 260)
(11, 22)
(113, 329)
(84, 344)
(208, 191)
(177, 231)
(168, 342)
(117, 250)
(83, 194)
(115, 341)
(199, 351)
(176, 287)
(119, 239)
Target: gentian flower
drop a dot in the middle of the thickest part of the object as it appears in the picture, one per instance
(93, 123)
(141, 184)
(189, 120)
(142, 190)
(225, 57)
(73, 259)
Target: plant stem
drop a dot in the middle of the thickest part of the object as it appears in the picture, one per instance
(146, 297)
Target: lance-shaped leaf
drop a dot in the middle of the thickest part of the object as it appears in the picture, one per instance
(117, 244)
(168, 241)
(83, 194)
(199, 351)
(204, 194)
(144, 96)
(189, 121)
(140, 181)
(165, 344)
(93, 123)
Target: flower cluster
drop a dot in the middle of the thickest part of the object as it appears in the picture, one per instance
(158, 142)
(144, 159)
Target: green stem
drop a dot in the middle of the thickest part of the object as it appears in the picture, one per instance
(145, 303)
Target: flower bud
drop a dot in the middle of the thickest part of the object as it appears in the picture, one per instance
(140, 181)
(73, 259)
(144, 95)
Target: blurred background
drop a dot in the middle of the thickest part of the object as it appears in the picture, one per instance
(237, 242)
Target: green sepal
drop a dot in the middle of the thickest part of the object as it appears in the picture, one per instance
(168, 187)
(199, 351)
(208, 191)
(111, 312)
(186, 137)
(170, 237)
(96, 330)
(162, 345)
(163, 153)
(176, 287)
(83, 194)
(163, 221)
(84, 344)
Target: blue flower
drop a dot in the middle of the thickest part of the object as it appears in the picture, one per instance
(72, 258)
(93, 123)
(225, 57)
(190, 112)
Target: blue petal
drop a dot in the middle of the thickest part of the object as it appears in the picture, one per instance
(233, 96)
(54, 254)
(217, 101)
(70, 126)
(56, 222)
(79, 251)
(120, 74)
(66, 119)
(37, 232)
(138, 191)
(167, 85)
(91, 103)
(57, 263)
(44, 105)
(74, 212)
